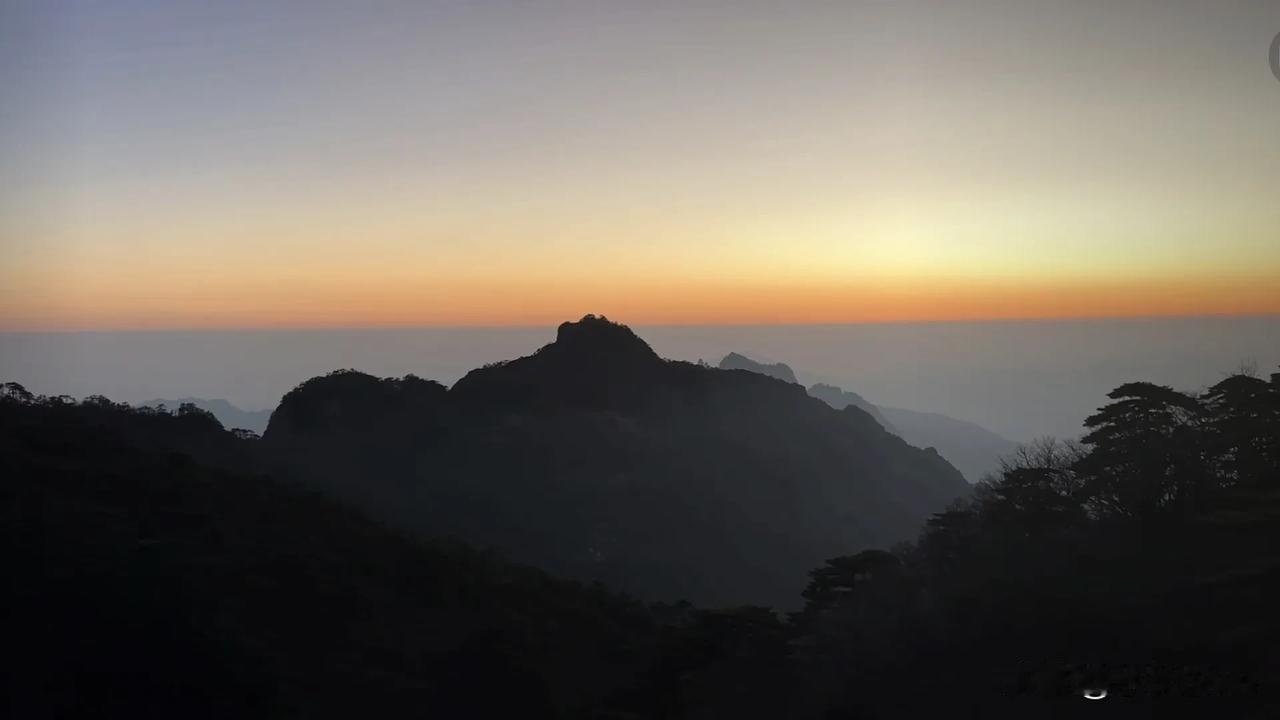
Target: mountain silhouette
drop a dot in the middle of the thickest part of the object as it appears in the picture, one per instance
(593, 363)
(781, 371)
(839, 398)
(597, 459)
(161, 568)
(229, 415)
(974, 450)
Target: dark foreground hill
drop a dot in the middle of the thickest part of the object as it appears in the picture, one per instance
(144, 583)
(154, 573)
(597, 459)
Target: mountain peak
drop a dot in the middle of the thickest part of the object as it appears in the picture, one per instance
(781, 371)
(601, 337)
(593, 362)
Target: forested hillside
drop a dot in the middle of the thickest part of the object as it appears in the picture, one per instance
(158, 571)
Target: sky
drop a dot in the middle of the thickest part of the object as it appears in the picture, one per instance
(264, 164)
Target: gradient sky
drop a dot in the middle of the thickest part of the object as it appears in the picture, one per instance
(269, 164)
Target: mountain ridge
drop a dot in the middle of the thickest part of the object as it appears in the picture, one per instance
(971, 448)
(230, 415)
(781, 371)
(599, 460)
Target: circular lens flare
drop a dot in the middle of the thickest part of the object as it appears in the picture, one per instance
(1274, 56)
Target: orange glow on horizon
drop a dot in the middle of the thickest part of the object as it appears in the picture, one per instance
(426, 165)
(298, 304)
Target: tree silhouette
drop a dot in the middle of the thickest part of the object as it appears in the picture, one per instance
(1146, 454)
(14, 392)
(1038, 490)
(1243, 431)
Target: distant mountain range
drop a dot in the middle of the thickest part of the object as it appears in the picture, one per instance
(229, 415)
(973, 449)
(734, 361)
(597, 459)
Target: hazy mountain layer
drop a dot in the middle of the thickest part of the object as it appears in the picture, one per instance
(229, 415)
(974, 450)
(839, 398)
(781, 371)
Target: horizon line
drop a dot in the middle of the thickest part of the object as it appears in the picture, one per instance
(700, 324)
